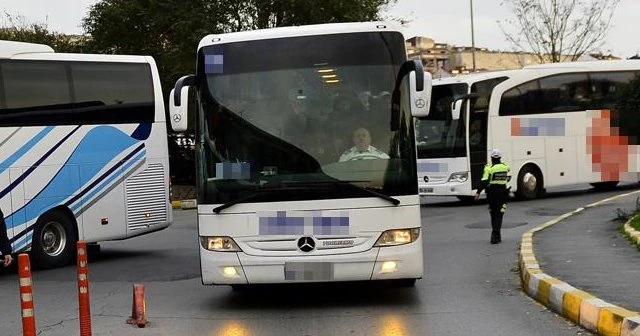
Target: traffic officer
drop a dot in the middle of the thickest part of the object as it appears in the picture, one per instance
(5, 246)
(494, 180)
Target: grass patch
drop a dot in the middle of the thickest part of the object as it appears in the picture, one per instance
(635, 223)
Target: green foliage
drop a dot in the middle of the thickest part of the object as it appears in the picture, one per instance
(17, 29)
(169, 30)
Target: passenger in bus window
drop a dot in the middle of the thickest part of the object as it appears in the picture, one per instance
(362, 149)
(5, 246)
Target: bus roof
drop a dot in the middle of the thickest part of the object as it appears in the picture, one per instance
(33, 51)
(588, 65)
(9, 49)
(306, 30)
(473, 77)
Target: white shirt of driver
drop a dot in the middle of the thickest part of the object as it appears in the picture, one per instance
(370, 153)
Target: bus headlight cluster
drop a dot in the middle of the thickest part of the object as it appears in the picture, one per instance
(459, 177)
(398, 237)
(219, 244)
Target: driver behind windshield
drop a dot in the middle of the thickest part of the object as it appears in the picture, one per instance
(362, 149)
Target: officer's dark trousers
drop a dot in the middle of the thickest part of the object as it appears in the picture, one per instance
(496, 210)
(497, 197)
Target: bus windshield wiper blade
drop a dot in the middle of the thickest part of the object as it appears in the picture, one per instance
(387, 198)
(253, 194)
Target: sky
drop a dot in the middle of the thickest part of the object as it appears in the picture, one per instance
(445, 21)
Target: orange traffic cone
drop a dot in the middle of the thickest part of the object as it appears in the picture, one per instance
(138, 308)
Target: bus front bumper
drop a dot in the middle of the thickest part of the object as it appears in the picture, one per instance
(445, 189)
(386, 263)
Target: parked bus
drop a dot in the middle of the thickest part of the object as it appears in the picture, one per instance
(84, 149)
(284, 195)
(452, 149)
(568, 123)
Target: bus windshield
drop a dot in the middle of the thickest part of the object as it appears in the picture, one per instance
(295, 118)
(438, 136)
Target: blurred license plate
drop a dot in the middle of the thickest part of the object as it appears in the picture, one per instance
(308, 271)
(426, 190)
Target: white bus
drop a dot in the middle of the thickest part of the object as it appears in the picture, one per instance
(568, 123)
(276, 111)
(84, 149)
(451, 151)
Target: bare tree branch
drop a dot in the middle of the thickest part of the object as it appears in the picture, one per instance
(558, 30)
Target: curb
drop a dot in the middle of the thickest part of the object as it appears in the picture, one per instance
(633, 234)
(574, 304)
(184, 204)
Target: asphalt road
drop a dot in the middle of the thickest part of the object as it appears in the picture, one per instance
(470, 288)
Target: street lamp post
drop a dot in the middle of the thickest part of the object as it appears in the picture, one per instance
(473, 42)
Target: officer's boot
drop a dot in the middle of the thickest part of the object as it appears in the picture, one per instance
(495, 229)
(499, 227)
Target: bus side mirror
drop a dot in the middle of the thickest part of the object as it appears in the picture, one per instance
(419, 95)
(178, 114)
(456, 108)
(457, 105)
(420, 99)
(178, 103)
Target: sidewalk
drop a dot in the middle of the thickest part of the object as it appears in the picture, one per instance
(582, 267)
(183, 196)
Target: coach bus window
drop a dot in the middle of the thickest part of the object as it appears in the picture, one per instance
(35, 85)
(565, 93)
(523, 99)
(113, 93)
(606, 86)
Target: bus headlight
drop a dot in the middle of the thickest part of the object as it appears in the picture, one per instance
(219, 244)
(459, 177)
(398, 237)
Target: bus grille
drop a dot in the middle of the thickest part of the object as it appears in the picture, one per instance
(146, 198)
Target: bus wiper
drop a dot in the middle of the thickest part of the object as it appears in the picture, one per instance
(255, 193)
(387, 198)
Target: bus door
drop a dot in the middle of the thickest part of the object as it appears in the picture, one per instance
(478, 120)
(478, 127)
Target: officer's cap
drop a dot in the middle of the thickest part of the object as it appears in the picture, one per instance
(495, 153)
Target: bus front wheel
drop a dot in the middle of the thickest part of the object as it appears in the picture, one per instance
(54, 239)
(529, 183)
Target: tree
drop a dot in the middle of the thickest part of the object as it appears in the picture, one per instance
(16, 28)
(258, 14)
(558, 30)
(170, 30)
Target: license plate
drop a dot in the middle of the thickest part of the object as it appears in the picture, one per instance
(426, 190)
(306, 271)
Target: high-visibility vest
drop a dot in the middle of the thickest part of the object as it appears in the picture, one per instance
(496, 174)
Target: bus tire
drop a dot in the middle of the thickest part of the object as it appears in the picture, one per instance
(54, 240)
(604, 186)
(530, 183)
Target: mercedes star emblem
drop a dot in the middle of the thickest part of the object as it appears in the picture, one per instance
(420, 103)
(177, 118)
(306, 244)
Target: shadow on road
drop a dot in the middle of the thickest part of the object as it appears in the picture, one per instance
(330, 295)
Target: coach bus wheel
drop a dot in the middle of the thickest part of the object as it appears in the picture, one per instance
(603, 186)
(529, 183)
(54, 239)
